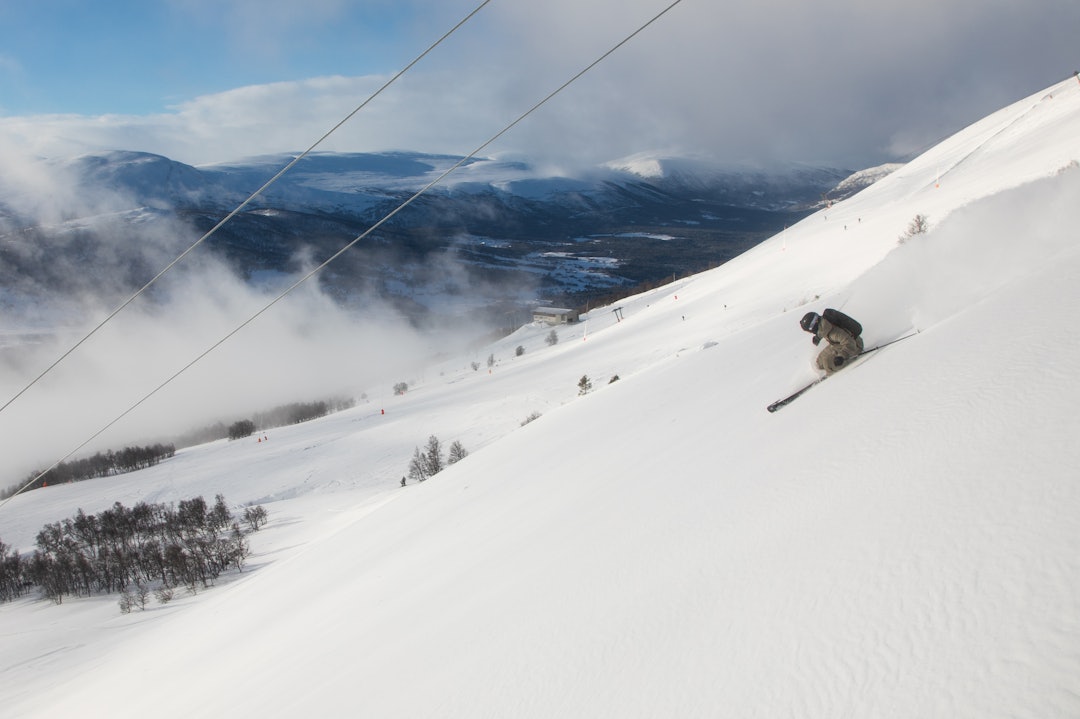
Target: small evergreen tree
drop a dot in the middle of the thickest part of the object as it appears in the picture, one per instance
(418, 466)
(519, 350)
(584, 385)
(433, 452)
(428, 462)
(457, 452)
(552, 338)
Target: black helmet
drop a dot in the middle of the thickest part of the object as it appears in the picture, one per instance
(809, 322)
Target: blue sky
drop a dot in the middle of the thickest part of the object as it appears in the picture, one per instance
(137, 57)
(840, 82)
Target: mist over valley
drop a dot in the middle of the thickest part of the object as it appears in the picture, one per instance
(466, 260)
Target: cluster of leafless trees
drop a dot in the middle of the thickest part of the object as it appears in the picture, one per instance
(241, 429)
(187, 545)
(919, 225)
(430, 461)
(103, 464)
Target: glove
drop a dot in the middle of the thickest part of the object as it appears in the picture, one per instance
(816, 340)
(838, 361)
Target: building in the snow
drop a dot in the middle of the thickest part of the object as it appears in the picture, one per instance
(555, 315)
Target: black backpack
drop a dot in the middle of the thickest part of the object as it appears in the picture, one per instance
(839, 319)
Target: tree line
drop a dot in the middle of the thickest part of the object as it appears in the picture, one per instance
(129, 459)
(149, 545)
(298, 412)
(286, 414)
(294, 413)
(102, 464)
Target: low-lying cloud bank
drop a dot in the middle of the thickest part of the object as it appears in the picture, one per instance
(90, 253)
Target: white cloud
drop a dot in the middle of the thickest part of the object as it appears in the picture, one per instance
(836, 81)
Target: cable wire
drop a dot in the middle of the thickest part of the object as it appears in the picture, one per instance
(240, 207)
(344, 249)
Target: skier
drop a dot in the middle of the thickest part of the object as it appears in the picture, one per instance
(841, 333)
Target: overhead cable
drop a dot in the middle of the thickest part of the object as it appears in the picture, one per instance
(344, 249)
(239, 208)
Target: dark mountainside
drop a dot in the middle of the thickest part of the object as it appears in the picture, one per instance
(493, 236)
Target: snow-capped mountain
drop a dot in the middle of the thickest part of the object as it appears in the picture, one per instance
(520, 232)
(899, 542)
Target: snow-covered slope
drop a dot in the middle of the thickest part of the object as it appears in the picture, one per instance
(900, 542)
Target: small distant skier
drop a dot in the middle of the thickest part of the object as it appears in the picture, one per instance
(842, 336)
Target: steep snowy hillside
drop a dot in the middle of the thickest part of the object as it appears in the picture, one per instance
(899, 542)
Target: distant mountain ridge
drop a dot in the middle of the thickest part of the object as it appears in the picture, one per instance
(338, 181)
(522, 235)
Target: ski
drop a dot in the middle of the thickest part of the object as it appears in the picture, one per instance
(798, 393)
(792, 397)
